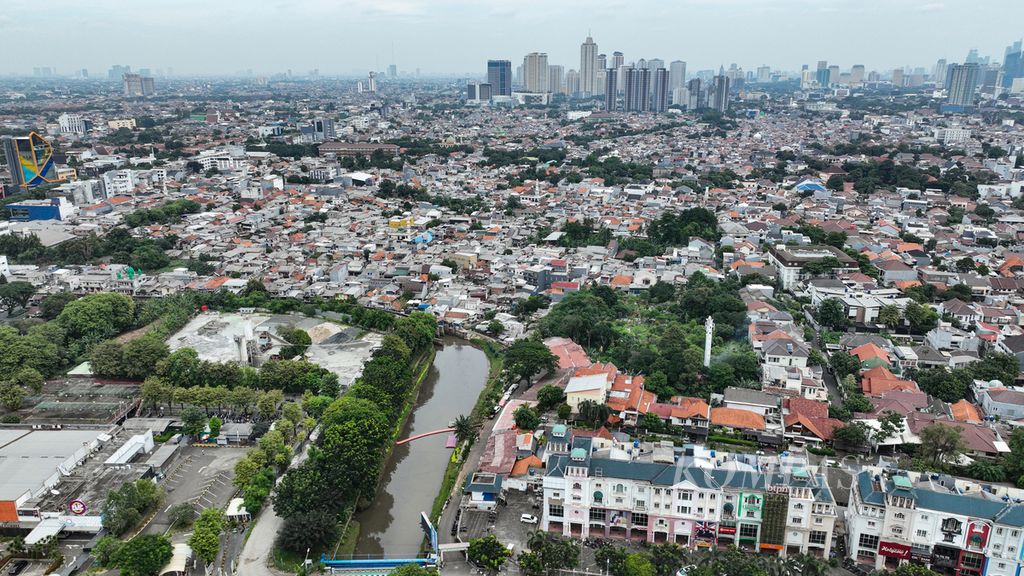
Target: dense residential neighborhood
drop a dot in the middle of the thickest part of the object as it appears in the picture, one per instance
(297, 324)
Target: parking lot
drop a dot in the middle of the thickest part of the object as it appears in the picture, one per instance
(34, 568)
(201, 476)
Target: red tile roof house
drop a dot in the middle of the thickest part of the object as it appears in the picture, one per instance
(807, 421)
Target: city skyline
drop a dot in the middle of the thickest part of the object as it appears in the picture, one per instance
(431, 36)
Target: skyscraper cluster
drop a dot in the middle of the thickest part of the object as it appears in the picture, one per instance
(639, 86)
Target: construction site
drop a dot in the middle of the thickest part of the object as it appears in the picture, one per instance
(251, 339)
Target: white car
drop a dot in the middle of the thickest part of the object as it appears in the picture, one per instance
(528, 519)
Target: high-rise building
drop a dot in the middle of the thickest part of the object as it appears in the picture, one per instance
(720, 99)
(72, 124)
(676, 74)
(588, 66)
(320, 130)
(764, 74)
(821, 74)
(833, 74)
(499, 76)
(572, 82)
(611, 80)
(963, 83)
(617, 60)
(939, 72)
(556, 78)
(118, 71)
(695, 100)
(638, 90)
(535, 72)
(392, 71)
(857, 74)
(1013, 64)
(478, 91)
(602, 65)
(371, 82)
(136, 85)
(897, 77)
(659, 91)
(655, 63)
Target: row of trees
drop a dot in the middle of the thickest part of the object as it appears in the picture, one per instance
(357, 432)
(548, 552)
(920, 318)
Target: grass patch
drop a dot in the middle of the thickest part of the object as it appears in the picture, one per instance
(347, 546)
(287, 560)
(493, 390)
(171, 266)
(451, 474)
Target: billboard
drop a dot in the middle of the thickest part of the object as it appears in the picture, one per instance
(30, 159)
(429, 530)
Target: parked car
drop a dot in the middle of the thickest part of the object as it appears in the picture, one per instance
(17, 567)
(528, 519)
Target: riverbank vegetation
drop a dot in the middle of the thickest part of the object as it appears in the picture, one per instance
(357, 432)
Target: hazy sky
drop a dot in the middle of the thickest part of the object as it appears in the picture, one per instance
(346, 36)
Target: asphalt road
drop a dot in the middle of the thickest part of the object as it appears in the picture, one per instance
(255, 556)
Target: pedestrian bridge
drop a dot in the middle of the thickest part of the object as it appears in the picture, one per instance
(425, 434)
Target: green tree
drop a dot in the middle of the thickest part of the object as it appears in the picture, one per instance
(141, 355)
(181, 368)
(495, 328)
(30, 378)
(107, 359)
(97, 317)
(193, 421)
(668, 558)
(298, 341)
(126, 505)
(844, 363)
(412, 570)
(181, 515)
(11, 395)
(54, 304)
(156, 391)
(921, 317)
(526, 418)
(206, 530)
(941, 444)
(638, 564)
(315, 529)
(525, 359)
(105, 551)
(966, 264)
(996, 366)
(911, 569)
(593, 413)
(854, 435)
(889, 425)
(612, 559)
(548, 397)
(144, 555)
(564, 411)
(890, 315)
(464, 428)
(214, 424)
(832, 313)
(488, 553)
(15, 295)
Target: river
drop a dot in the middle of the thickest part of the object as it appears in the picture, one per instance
(413, 473)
